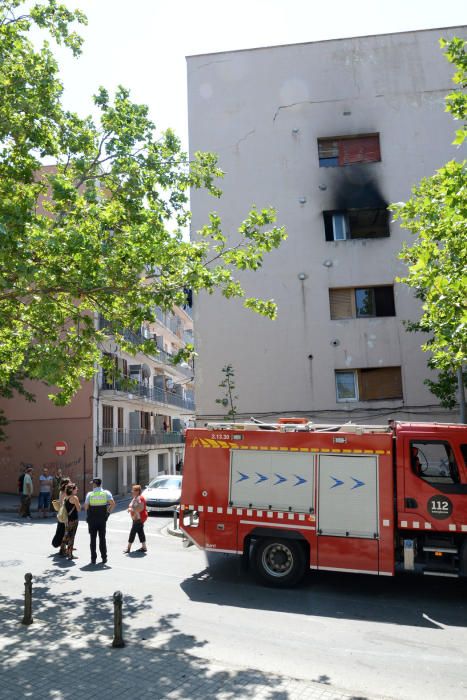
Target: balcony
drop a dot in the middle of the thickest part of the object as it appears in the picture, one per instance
(150, 394)
(113, 439)
(158, 354)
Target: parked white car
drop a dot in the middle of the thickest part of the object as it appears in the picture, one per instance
(163, 493)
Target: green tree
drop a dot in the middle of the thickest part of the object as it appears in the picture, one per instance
(437, 260)
(103, 230)
(228, 384)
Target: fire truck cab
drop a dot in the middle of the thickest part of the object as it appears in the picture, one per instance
(296, 495)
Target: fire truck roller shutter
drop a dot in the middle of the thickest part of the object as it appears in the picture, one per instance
(348, 496)
(272, 480)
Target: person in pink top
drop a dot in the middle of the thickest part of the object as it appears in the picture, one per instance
(139, 514)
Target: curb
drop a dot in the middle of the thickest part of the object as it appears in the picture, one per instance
(175, 532)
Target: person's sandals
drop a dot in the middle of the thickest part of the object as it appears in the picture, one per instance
(126, 551)
(141, 550)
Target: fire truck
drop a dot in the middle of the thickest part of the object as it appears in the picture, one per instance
(295, 495)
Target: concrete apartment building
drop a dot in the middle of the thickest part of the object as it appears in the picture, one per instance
(329, 133)
(124, 432)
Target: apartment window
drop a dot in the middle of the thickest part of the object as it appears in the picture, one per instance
(107, 417)
(145, 419)
(107, 424)
(348, 150)
(343, 225)
(369, 384)
(361, 302)
(346, 386)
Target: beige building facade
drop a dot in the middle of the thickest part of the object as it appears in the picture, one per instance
(329, 133)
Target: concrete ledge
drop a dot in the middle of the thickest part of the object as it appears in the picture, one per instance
(174, 531)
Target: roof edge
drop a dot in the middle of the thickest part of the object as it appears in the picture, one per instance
(322, 41)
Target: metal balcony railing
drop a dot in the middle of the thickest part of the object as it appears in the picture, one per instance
(154, 394)
(159, 354)
(115, 438)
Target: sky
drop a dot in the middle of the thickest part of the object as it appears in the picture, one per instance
(142, 44)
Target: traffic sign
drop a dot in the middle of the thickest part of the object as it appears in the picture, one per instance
(61, 447)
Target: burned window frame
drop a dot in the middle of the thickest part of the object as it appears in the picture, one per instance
(332, 150)
(381, 231)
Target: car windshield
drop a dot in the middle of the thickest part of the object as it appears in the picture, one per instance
(168, 483)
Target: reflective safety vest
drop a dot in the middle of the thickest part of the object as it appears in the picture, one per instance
(98, 498)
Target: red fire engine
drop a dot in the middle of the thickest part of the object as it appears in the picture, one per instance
(297, 495)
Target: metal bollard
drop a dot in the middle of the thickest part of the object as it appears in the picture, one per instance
(27, 619)
(118, 642)
(175, 520)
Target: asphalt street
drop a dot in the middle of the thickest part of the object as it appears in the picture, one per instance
(396, 638)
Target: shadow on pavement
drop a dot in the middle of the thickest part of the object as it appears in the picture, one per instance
(403, 600)
(66, 653)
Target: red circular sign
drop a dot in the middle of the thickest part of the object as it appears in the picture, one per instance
(61, 447)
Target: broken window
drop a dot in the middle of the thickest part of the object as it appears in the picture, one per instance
(342, 225)
(369, 384)
(348, 150)
(361, 302)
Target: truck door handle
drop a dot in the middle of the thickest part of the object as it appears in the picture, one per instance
(411, 503)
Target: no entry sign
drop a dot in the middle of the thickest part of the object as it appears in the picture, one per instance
(61, 447)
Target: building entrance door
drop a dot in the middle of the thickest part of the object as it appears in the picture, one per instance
(142, 470)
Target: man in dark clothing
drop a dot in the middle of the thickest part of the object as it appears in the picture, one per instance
(98, 505)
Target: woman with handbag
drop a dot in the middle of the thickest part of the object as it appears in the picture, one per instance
(139, 514)
(72, 506)
(60, 531)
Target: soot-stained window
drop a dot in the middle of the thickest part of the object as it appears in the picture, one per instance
(343, 225)
(339, 151)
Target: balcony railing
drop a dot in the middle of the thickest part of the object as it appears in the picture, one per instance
(154, 394)
(158, 354)
(114, 438)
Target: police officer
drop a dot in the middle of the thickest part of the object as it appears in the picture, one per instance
(98, 505)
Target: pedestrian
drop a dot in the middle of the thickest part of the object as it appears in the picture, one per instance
(139, 515)
(45, 491)
(20, 487)
(60, 530)
(26, 496)
(73, 506)
(57, 482)
(99, 504)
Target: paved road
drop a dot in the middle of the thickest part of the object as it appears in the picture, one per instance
(404, 638)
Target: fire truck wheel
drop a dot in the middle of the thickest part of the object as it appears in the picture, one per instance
(279, 562)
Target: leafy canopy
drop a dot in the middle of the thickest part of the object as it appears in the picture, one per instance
(101, 230)
(437, 260)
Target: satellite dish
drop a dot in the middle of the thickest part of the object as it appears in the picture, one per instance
(146, 371)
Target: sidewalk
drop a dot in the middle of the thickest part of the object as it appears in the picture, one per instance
(9, 503)
(55, 658)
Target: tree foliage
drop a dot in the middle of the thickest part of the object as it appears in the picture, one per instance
(436, 215)
(103, 230)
